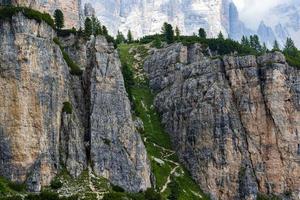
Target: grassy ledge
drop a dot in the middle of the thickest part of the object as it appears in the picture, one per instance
(172, 180)
(74, 68)
(7, 12)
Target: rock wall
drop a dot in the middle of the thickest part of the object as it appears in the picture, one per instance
(235, 121)
(38, 139)
(116, 155)
(146, 17)
(70, 8)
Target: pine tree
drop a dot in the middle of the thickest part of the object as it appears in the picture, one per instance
(175, 190)
(157, 42)
(96, 26)
(168, 32)
(59, 19)
(255, 43)
(245, 41)
(221, 36)
(276, 46)
(104, 31)
(264, 48)
(88, 27)
(290, 49)
(120, 38)
(129, 37)
(202, 33)
(177, 33)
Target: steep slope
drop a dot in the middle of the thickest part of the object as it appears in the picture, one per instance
(234, 121)
(51, 120)
(170, 178)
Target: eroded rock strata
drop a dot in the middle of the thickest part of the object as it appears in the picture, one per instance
(234, 121)
(38, 137)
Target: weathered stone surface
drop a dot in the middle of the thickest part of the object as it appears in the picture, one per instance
(37, 138)
(34, 79)
(70, 8)
(117, 150)
(234, 122)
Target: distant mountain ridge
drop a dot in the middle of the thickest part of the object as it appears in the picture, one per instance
(145, 17)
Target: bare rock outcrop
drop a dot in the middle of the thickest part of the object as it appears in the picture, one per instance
(235, 121)
(39, 136)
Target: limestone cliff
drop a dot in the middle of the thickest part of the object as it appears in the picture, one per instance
(234, 121)
(39, 136)
(70, 8)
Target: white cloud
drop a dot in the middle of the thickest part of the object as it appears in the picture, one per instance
(253, 11)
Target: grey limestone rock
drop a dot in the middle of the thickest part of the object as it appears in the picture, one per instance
(234, 122)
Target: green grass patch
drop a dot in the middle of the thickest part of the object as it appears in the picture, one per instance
(7, 12)
(154, 131)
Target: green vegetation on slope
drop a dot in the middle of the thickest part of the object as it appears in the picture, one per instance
(8, 11)
(74, 68)
(172, 180)
(8, 188)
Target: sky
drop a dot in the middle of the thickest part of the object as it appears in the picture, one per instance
(253, 11)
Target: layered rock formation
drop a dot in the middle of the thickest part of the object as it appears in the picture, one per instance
(70, 8)
(235, 121)
(38, 139)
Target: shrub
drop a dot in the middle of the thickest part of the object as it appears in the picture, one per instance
(67, 108)
(113, 196)
(56, 184)
(117, 188)
(74, 197)
(75, 69)
(175, 190)
(156, 43)
(12, 198)
(44, 195)
(49, 195)
(66, 32)
(293, 61)
(151, 194)
(106, 141)
(18, 187)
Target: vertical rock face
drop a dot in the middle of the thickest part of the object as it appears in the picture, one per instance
(70, 8)
(38, 139)
(34, 84)
(117, 150)
(237, 28)
(233, 121)
(266, 34)
(146, 17)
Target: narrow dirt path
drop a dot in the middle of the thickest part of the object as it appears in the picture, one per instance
(165, 186)
(91, 185)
